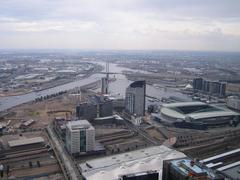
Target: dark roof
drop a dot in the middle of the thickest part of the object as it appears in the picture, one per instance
(138, 84)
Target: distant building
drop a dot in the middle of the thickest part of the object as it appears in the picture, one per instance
(80, 137)
(206, 85)
(119, 104)
(135, 98)
(211, 87)
(106, 109)
(104, 87)
(214, 87)
(197, 83)
(86, 111)
(223, 87)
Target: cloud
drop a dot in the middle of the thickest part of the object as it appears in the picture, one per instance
(145, 24)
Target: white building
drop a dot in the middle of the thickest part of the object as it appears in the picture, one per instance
(80, 137)
(136, 120)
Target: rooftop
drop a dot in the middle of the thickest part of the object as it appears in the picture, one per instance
(138, 84)
(232, 170)
(195, 110)
(186, 167)
(79, 124)
(112, 167)
(25, 141)
(228, 163)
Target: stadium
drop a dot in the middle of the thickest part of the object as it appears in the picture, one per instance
(197, 115)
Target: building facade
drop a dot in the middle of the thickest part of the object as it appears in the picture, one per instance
(135, 98)
(80, 137)
(106, 109)
(104, 87)
(197, 83)
(86, 111)
(211, 87)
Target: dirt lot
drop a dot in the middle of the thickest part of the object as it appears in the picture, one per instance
(63, 106)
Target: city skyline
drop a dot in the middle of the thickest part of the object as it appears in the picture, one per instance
(183, 25)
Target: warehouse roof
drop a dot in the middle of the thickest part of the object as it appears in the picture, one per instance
(25, 141)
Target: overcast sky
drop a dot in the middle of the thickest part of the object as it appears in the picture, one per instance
(121, 24)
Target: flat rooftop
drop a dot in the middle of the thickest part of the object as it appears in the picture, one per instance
(25, 141)
(185, 167)
(232, 170)
(112, 167)
(79, 124)
(227, 163)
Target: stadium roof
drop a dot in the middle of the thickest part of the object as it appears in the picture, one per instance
(195, 110)
(111, 167)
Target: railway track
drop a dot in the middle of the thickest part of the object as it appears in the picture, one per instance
(18, 155)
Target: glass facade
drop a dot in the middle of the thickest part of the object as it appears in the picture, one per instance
(83, 141)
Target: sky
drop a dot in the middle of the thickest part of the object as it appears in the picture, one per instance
(212, 25)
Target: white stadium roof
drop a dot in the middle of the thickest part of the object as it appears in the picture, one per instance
(171, 110)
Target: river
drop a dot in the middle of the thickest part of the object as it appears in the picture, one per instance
(115, 87)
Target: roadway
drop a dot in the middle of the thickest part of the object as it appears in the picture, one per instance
(70, 171)
(141, 132)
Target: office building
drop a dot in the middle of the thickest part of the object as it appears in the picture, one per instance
(106, 109)
(205, 86)
(80, 137)
(104, 87)
(212, 87)
(135, 98)
(86, 111)
(222, 91)
(197, 83)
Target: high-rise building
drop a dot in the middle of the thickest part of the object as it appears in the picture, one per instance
(104, 88)
(135, 98)
(223, 89)
(211, 87)
(197, 83)
(80, 137)
(105, 109)
(205, 86)
(214, 87)
(86, 111)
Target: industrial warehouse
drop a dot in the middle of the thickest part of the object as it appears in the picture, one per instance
(197, 115)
